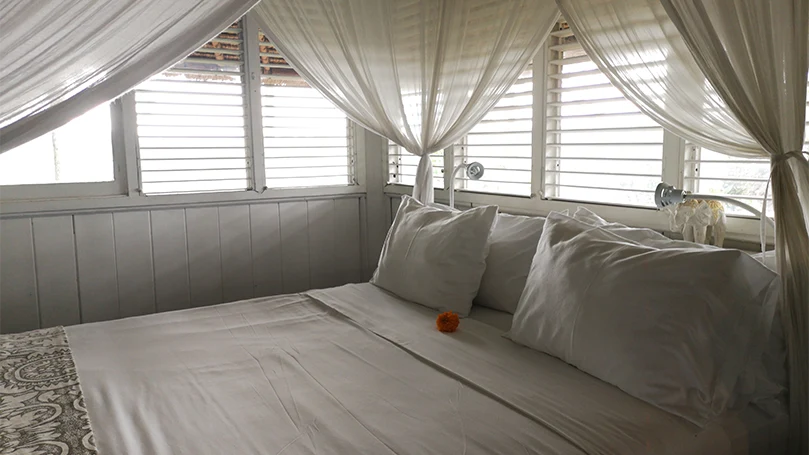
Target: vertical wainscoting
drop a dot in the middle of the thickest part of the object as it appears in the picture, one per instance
(134, 263)
(69, 269)
(19, 294)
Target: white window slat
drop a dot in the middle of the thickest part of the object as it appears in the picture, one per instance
(402, 166)
(501, 142)
(197, 186)
(192, 134)
(710, 172)
(307, 140)
(192, 164)
(599, 146)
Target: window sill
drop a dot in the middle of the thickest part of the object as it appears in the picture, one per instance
(739, 228)
(9, 209)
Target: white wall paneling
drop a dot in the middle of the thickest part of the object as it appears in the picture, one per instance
(57, 280)
(320, 221)
(334, 231)
(170, 256)
(265, 231)
(237, 255)
(70, 268)
(375, 212)
(204, 256)
(96, 265)
(294, 245)
(366, 266)
(133, 253)
(347, 233)
(18, 286)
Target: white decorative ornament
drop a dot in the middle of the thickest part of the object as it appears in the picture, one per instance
(699, 221)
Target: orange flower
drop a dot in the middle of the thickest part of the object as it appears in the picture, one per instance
(447, 322)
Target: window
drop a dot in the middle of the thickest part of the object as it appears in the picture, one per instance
(501, 141)
(743, 179)
(78, 152)
(307, 140)
(402, 166)
(600, 147)
(192, 133)
(200, 126)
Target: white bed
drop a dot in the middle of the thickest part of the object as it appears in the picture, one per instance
(354, 370)
(500, 320)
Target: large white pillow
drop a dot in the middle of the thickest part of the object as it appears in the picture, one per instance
(673, 327)
(512, 244)
(775, 356)
(768, 380)
(640, 235)
(644, 236)
(765, 378)
(435, 257)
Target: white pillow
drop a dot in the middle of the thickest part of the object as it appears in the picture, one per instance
(765, 378)
(770, 376)
(675, 328)
(435, 257)
(588, 216)
(769, 260)
(644, 236)
(512, 244)
(775, 356)
(640, 235)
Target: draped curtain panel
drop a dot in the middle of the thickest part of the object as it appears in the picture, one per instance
(420, 72)
(730, 76)
(60, 58)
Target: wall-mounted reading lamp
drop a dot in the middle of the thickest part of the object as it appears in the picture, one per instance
(666, 195)
(474, 171)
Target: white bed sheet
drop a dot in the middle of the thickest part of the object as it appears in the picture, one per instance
(501, 320)
(282, 375)
(355, 371)
(751, 432)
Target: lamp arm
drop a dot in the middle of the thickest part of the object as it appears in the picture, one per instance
(452, 183)
(728, 200)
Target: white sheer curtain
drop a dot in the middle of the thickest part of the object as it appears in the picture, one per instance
(730, 76)
(61, 58)
(420, 72)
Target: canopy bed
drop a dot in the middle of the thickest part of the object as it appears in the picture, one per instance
(619, 339)
(358, 370)
(362, 369)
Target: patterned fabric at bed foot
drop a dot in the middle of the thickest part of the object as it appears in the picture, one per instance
(42, 409)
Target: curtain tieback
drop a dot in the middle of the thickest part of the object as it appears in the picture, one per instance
(797, 154)
(785, 156)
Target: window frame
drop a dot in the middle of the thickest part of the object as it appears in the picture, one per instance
(125, 191)
(351, 128)
(460, 149)
(396, 161)
(692, 176)
(116, 187)
(740, 227)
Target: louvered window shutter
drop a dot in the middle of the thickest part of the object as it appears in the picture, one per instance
(192, 134)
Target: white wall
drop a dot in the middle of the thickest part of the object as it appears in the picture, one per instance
(72, 268)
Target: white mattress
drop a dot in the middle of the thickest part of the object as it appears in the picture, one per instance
(352, 370)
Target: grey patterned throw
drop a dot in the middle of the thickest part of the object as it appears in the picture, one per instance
(41, 405)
